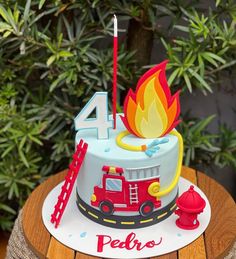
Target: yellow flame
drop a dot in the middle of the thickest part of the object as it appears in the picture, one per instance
(152, 120)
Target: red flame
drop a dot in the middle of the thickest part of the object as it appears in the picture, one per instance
(151, 111)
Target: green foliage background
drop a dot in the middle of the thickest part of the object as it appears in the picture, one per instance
(55, 54)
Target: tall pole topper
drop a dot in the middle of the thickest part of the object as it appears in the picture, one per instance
(115, 51)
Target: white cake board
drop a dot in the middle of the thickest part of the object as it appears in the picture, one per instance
(80, 233)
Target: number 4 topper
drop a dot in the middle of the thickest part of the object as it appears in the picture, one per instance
(101, 122)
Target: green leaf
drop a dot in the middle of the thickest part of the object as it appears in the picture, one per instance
(27, 10)
(189, 59)
(201, 80)
(217, 2)
(39, 16)
(22, 143)
(22, 48)
(11, 20)
(201, 65)
(57, 81)
(4, 26)
(187, 157)
(41, 3)
(173, 76)
(216, 57)
(95, 3)
(7, 150)
(50, 46)
(182, 28)
(201, 125)
(15, 189)
(64, 53)
(16, 14)
(209, 58)
(188, 83)
(166, 10)
(51, 60)
(7, 208)
(10, 193)
(36, 140)
(23, 158)
(59, 40)
(164, 43)
(69, 29)
(6, 34)
(229, 64)
(4, 13)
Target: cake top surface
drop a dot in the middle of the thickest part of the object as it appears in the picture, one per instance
(108, 147)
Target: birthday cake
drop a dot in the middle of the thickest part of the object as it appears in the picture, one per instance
(125, 176)
(130, 169)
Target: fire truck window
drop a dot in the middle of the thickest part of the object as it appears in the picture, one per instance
(114, 185)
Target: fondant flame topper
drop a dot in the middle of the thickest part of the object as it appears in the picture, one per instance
(151, 111)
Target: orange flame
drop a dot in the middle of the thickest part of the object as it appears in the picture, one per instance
(151, 111)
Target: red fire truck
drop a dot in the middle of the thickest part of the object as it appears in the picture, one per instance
(115, 193)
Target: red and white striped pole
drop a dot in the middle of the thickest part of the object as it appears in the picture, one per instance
(115, 51)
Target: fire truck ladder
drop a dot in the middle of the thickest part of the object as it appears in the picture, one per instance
(70, 178)
(133, 193)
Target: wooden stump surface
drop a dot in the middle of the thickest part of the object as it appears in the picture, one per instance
(215, 242)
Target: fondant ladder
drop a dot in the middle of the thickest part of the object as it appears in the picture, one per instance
(133, 193)
(70, 178)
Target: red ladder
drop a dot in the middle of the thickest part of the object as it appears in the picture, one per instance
(66, 189)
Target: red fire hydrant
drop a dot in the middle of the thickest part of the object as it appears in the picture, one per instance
(190, 204)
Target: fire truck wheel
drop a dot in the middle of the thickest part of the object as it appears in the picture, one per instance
(146, 209)
(106, 208)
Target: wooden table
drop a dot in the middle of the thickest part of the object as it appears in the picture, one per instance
(215, 242)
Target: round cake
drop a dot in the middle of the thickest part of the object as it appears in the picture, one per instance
(119, 188)
(129, 166)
